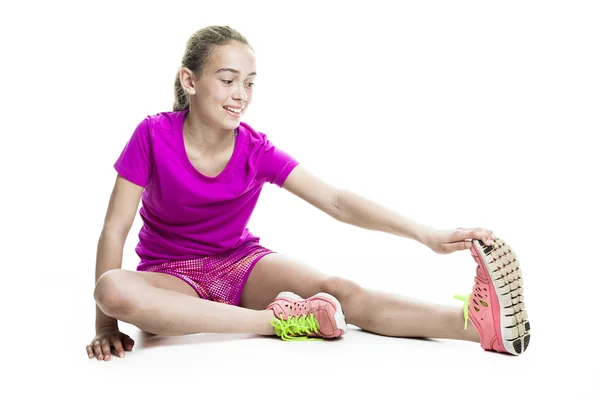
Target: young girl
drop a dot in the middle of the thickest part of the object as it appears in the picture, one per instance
(199, 172)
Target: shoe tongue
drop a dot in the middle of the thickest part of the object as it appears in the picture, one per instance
(278, 309)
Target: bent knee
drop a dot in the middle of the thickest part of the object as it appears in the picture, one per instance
(110, 293)
(340, 287)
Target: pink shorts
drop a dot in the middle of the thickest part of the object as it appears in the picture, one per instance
(218, 278)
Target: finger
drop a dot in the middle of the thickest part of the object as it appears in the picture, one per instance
(128, 342)
(471, 234)
(98, 350)
(488, 233)
(106, 349)
(90, 351)
(461, 236)
(116, 342)
(489, 238)
(452, 247)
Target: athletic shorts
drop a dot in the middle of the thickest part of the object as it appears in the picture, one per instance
(219, 278)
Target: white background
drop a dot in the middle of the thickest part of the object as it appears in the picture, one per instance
(462, 113)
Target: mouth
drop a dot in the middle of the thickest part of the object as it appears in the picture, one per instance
(234, 112)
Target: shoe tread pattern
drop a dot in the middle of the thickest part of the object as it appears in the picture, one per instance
(505, 271)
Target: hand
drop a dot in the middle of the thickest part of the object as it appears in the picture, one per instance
(100, 346)
(448, 241)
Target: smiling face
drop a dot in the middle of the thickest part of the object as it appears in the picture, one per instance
(224, 90)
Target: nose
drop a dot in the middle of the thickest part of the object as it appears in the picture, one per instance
(240, 93)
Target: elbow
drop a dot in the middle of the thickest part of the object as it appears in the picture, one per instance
(113, 230)
(337, 205)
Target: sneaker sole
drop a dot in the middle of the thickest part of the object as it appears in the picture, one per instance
(340, 320)
(511, 321)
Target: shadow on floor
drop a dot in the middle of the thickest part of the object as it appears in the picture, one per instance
(149, 340)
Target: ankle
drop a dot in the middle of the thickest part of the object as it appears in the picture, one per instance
(266, 328)
(470, 334)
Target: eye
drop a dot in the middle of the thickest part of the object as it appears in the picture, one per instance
(251, 84)
(226, 81)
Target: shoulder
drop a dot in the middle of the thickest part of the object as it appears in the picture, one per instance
(254, 136)
(257, 141)
(159, 125)
(166, 121)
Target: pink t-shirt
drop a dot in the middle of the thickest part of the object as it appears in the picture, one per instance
(185, 213)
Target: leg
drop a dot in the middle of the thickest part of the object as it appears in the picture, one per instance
(275, 273)
(374, 311)
(163, 304)
(394, 315)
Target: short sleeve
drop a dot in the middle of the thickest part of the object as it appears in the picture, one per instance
(134, 162)
(275, 164)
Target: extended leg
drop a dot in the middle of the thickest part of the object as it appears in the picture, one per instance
(395, 315)
(374, 311)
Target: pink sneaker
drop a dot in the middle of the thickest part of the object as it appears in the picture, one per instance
(495, 307)
(319, 316)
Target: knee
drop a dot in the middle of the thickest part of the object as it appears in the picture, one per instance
(110, 295)
(340, 288)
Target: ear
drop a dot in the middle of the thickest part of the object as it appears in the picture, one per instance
(187, 80)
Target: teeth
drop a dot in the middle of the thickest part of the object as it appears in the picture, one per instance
(233, 110)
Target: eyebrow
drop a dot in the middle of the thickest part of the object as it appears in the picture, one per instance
(235, 71)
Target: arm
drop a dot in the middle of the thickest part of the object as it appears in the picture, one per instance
(359, 211)
(350, 208)
(353, 209)
(121, 212)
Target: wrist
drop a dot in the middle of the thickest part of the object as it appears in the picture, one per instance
(107, 327)
(423, 234)
(103, 321)
(103, 324)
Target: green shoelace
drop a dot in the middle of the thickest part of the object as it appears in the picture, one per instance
(295, 328)
(465, 305)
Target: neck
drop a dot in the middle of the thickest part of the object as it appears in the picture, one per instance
(206, 138)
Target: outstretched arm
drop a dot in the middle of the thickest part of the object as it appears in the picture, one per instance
(359, 211)
(353, 209)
